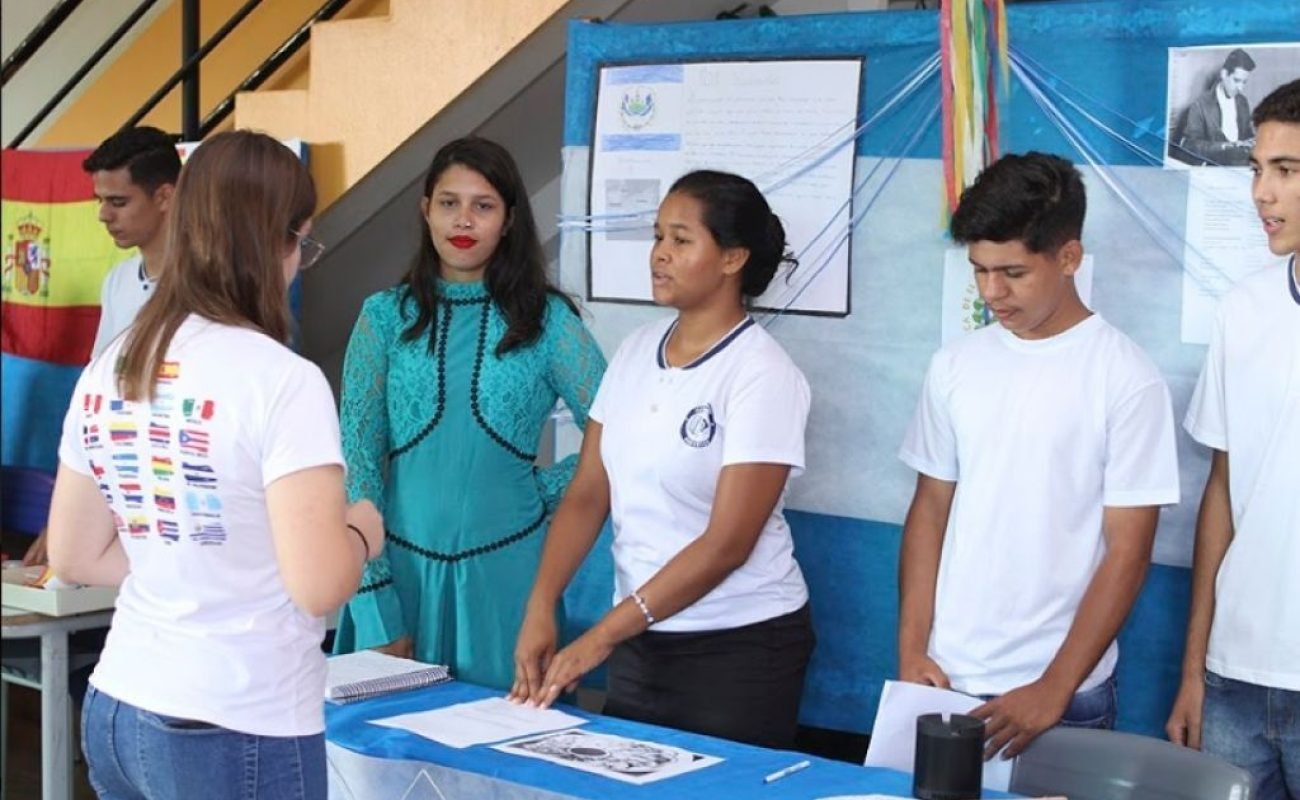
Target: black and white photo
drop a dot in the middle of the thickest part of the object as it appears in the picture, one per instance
(617, 757)
(1212, 91)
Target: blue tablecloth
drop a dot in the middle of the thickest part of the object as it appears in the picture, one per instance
(739, 775)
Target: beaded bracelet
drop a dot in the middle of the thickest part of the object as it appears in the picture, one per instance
(364, 543)
(649, 618)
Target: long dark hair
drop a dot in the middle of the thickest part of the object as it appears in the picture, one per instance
(237, 204)
(515, 277)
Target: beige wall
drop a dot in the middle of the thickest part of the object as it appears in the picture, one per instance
(375, 82)
(60, 57)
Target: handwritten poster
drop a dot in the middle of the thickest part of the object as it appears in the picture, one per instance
(786, 125)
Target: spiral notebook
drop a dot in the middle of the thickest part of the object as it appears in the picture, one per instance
(357, 676)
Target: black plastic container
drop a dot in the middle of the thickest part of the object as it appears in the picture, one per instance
(949, 757)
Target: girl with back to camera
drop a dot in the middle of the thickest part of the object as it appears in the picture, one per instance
(697, 426)
(449, 379)
(216, 504)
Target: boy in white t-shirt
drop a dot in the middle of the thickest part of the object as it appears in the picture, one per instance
(1240, 696)
(1044, 447)
(134, 173)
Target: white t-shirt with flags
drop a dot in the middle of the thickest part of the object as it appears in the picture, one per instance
(1247, 404)
(667, 434)
(204, 627)
(1039, 436)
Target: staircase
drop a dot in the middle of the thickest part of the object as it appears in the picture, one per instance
(374, 81)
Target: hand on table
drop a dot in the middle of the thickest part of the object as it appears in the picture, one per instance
(1014, 719)
(568, 666)
(534, 650)
(36, 554)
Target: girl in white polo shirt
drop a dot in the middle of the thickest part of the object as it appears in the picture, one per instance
(200, 469)
(698, 424)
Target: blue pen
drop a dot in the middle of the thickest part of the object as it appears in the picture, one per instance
(790, 770)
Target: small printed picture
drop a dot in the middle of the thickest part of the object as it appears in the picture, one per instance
(1211, 95)
(628, 760)
(638, 196)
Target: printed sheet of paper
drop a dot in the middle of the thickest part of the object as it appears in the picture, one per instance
(1225, 242)
(480, 722)
(784, 124)
(893, 737)
(963, 309)
(622, 759)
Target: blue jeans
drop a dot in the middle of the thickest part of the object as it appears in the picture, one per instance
(135, 754)
(1093, 708)
(1258, 729)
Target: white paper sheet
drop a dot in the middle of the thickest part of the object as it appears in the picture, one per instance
(893, 737)
(1225, 242)
(963, 309)
(480, 722)
(766, 120)
(616, 757)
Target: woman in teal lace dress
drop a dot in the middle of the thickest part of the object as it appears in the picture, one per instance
(448, 381)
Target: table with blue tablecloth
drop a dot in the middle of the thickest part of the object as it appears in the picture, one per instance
(372, 761)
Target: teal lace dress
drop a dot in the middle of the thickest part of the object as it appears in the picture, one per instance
(444, 444)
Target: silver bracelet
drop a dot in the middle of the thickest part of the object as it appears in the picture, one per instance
(649, 618)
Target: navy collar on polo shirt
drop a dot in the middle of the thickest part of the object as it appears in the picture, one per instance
(145, 281)
(661, 355)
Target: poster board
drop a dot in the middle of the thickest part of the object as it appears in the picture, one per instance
(770, 120)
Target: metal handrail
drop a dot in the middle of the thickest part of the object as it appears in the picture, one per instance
(188, 71)
(85, 68)
(270, 66)
(38, 36)
(191, 63)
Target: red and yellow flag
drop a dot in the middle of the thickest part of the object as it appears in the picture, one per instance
(56, 254)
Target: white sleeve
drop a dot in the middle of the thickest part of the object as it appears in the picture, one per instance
(1206, 419)
(765, 418)
(76, 434)
(930, 444)
(104, 333)
(301, 428)
(610, 380)
(1141, 453)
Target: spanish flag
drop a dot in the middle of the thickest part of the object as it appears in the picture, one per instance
(56, 254)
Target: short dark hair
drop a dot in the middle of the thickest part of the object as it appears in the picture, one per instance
(1036, 198)
(737, 215)
(1238, 59)
(148, 154)
(1281, 105)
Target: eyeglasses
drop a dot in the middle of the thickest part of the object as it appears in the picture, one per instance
(310, 248)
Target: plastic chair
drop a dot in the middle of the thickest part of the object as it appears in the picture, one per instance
(1086, 764)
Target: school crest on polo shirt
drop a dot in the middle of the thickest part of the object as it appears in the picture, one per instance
(698, 427)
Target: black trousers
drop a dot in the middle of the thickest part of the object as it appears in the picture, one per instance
(742, 684)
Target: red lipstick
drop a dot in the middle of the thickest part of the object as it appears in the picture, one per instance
(463, 242)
